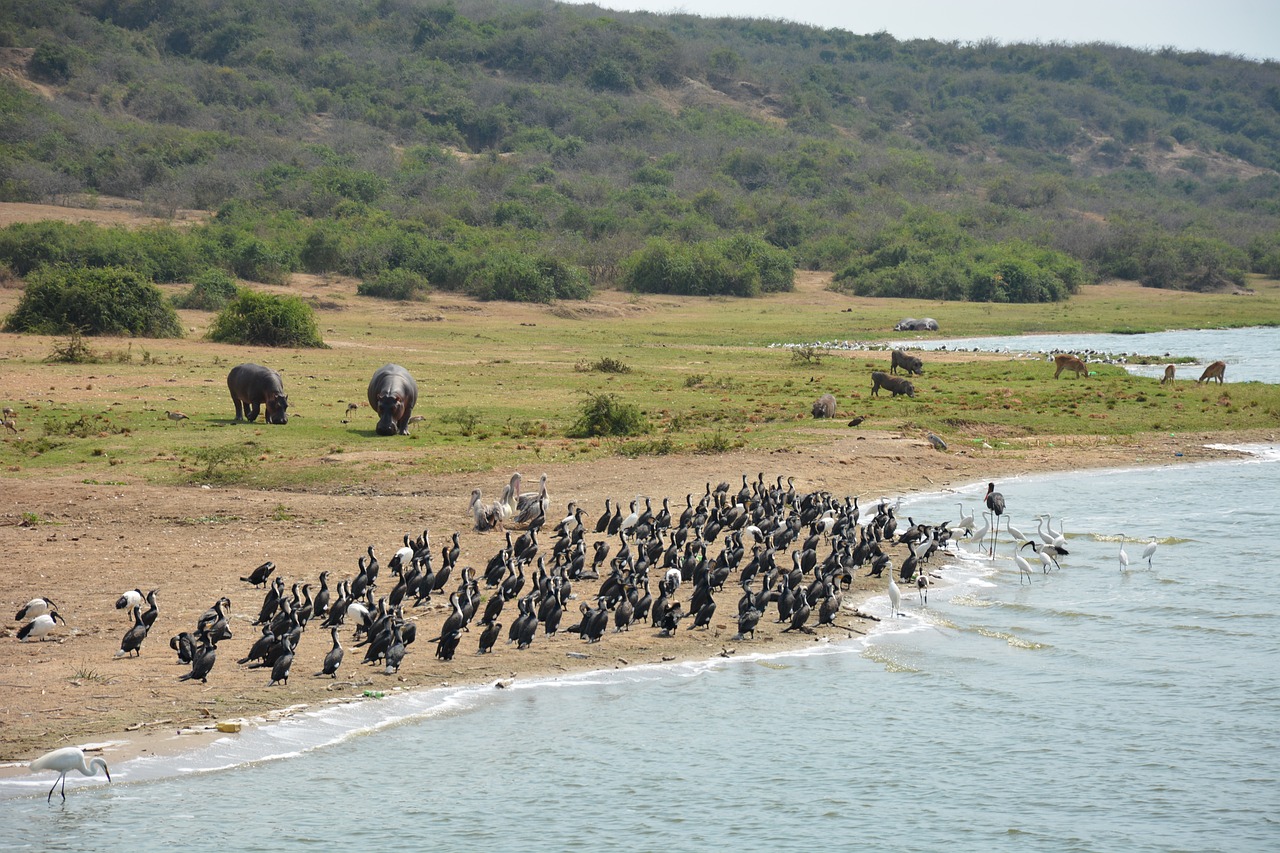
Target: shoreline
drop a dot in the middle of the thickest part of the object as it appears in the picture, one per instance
(157, 712)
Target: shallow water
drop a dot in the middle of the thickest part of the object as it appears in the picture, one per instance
(1091, 709)
(1250, 353)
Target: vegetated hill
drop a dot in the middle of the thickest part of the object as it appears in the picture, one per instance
(362, 137)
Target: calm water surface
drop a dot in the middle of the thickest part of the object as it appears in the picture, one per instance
(1091, 710)
(1250, 353)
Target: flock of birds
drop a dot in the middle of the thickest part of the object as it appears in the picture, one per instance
(790, 555)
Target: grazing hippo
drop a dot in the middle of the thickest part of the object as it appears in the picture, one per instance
(1066, 361)
(1213, 371)
(896, 384)
(393, 394)
(825, 407)
(253, 386)
(909, 363)
(911, 324)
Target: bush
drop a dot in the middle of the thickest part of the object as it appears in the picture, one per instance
(266, 320)
(402, 284)
(604, 414)
(210, 292)
(99, 301)
(736, 266)
(511, 275)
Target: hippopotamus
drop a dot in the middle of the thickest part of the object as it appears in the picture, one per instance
(253, 386)
(911, 324)
(909, 363)
(896, 384)
(393, 394)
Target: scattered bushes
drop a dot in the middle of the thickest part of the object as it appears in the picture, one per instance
(266, 320)
(101, 301)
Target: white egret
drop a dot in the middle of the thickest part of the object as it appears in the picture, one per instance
(895, 597)
(1124, 558)
(1150, 551)
(1024, 568)
(64, 761)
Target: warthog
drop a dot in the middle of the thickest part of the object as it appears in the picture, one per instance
(825, 407)
(896, 384)
(1213, 371)
(911, 324)
(1168, 374)
(1065, 361)
(909, 363)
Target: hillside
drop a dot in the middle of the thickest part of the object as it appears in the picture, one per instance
(356, 137)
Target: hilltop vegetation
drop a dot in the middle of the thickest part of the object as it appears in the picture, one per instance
(526, 150)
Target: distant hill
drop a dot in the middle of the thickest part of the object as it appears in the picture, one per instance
(362, 137)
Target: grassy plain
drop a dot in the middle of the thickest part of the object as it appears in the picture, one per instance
(501, 384)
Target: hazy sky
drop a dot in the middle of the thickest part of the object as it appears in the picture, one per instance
(1249, 28)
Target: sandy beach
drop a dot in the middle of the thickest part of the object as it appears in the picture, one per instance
(91, 543)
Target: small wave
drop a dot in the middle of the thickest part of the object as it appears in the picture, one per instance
(1012, 639)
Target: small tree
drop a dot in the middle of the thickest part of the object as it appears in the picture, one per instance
(93, 301)
(266, 320)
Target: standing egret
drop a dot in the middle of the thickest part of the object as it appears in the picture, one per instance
(1150, 551)
(995, 502)
(64, 761)
(1018, 535)
(966, 521)
(980, 535)
(895, 597)
(1024, 568)
(1124, 558)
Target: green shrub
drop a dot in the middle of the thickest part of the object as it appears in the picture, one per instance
(605, 414)
(402, 284)
(266, 320)
(737, 266)
(211, 291)
(100, 301)
(515, 276)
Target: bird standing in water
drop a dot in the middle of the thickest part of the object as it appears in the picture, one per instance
(995, 502)
(64, 761)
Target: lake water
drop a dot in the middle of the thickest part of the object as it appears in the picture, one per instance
(1090, 710)
(1250, 353)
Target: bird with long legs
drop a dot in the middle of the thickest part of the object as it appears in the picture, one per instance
(65, 760)
(1150, 551)
(1024, 568)
(1124, 558)
(895, 597)
(995, 502)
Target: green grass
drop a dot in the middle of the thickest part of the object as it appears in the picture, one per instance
(701, 376)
